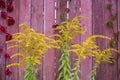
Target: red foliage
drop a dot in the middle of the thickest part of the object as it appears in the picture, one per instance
(8, 72)
(8, 36)
(54, 26)
(11, 21)
(3, 15)
(2, 29)
(6, 56)
(10, 8)
(2, 4)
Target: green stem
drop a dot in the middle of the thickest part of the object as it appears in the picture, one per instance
(76, 70)
(93, 72)
(65, 67)
(30, 71)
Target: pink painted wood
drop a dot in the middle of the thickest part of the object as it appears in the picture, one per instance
(3, 48)
(57, 52)
(86, 10)
(118, 7)
(101, 16)
(13, 29)
(24, 17)
(75, 6)
(61, 7)
(37, 24)
(49, 59)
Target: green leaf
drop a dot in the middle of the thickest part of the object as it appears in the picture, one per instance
(109, 6)
(117, 33)
(62, 16)
(114, 17)
(112, 43)
(110, 24)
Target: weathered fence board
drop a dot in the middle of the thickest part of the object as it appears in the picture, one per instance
(57, 21)
(3, 49)
(86, 65)
(49, 59)
(75, 10)
(118, 8)
(24, 17)
(100, 17)
(13, 29)
(37, 24)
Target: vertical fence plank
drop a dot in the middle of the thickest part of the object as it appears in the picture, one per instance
(25, 12)
(24, 17)
(13, 29)
(2, 47)
(86, 10)
(62, 7)
(49, 59)
(100, 16)
(118, 8)
(98, 20)
(75, 10)
(57, 52)
(37, 24)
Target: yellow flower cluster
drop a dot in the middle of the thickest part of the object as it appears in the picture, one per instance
(68, 29)
(89, 48)
(32, 45)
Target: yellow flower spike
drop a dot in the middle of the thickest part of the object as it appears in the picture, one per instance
(15, 46)
(14, 64)
(37, 61)
(17, 54)
(32, 46)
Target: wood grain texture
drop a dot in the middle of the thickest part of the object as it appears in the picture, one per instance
(75, 6)
(49, 59)
(24, 17)
(3, 48)
(37, 24)
(13, 29)
(100, 16)
(57, 52)
(86, 10)
(118, 8)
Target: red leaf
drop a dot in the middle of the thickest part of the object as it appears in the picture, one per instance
(6, 56)
(1, 49)
(2, 4)
(10, 8)
(9, 2)
(3, 15)
(8, 72)
(2, 29)
(11, 21)
(55, 25)
(8, 36)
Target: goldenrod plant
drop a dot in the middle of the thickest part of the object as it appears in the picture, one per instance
(66, 31)
(102, 56)
(89, 48)
(32, 46)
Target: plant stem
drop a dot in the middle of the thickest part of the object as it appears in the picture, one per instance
(30, 71)
(65, 66)
(76, 70)
(93, 72)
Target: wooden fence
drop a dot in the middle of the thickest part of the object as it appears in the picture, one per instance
(42, 14)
